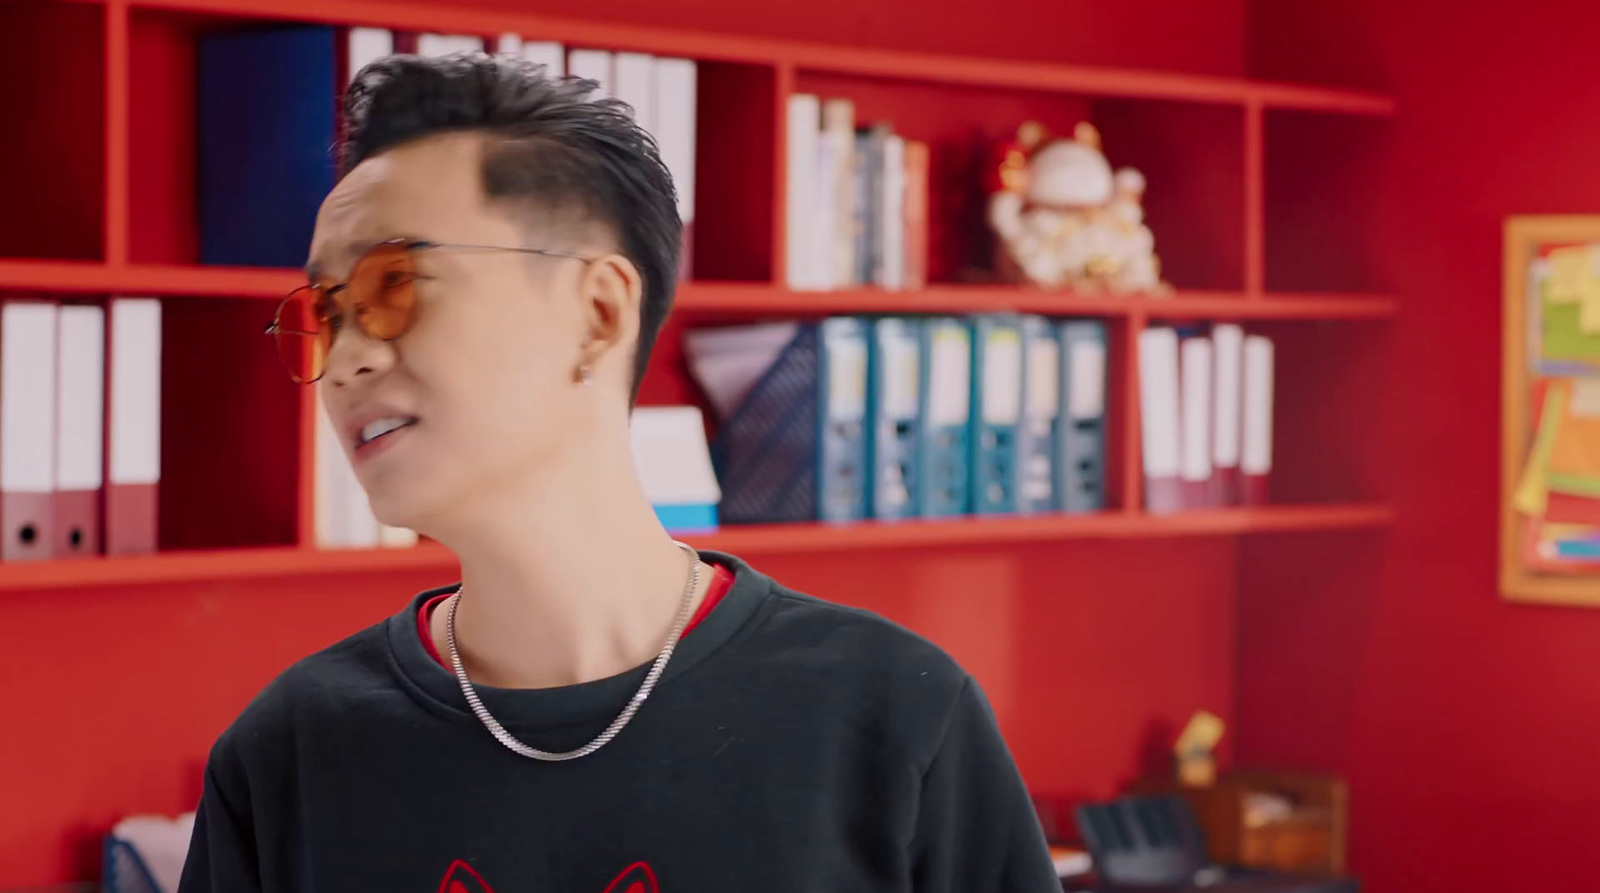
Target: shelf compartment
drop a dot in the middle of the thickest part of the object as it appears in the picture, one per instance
(53, 164)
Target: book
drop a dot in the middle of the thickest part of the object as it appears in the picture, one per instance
(915, 259)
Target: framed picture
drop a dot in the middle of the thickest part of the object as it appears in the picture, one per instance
(1550, 382)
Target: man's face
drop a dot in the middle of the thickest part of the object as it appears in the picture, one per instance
(486, 368)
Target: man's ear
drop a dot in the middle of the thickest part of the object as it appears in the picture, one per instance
(610, 290)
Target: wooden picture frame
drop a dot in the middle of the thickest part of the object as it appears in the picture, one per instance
(1550, 368)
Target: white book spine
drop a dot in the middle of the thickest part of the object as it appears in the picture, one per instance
(328, 503)
(508, 44)
(365, 46)
(824, 216)
(361, 525)
(445, 44)
(1158, 401)
(803, 120)
(1256, 458)
(1228, 345)
(891, 219)
(135, 414)
(839, 132)
(80, 383)
(594, 65)
(675, 84)
(552, 55)
(1195, 415)
(27, 397)
(636, 76)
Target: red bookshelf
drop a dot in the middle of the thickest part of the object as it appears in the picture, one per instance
(752, 542)
(1260, 198)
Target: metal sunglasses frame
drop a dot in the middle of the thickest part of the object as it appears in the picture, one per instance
(274, 328)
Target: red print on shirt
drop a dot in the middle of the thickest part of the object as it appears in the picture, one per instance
(462, 878)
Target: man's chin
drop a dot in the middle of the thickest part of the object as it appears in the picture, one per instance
(400, 507)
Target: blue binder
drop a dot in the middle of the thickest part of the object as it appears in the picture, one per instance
(946, 410)
(1080, 463)
(997, 380)
(267, 119)
(841, 420)
(893, 397)
(795, 449)
(1041, 412)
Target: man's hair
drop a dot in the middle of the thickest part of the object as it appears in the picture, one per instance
(551, 145)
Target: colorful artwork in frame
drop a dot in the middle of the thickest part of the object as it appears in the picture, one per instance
(1550, 445)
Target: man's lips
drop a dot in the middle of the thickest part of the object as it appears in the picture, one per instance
(374, 426)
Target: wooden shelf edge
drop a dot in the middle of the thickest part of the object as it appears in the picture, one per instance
(923, 67)
(753, 541)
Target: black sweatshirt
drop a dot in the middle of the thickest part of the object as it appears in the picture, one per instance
(792, 745)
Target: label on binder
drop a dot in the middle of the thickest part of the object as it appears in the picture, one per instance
(900, 378)
(1043, 390)
(1088, 397)
(950, 379)
(847, 378)
(1002, 377)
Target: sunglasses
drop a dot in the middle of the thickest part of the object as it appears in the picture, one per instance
(380, 297)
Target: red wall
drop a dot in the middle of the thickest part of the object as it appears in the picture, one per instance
(1468, 726)
(1092, 653)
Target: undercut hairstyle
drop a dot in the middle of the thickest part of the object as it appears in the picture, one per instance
(552, 146)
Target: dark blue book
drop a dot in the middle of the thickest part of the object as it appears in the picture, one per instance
(267, 124)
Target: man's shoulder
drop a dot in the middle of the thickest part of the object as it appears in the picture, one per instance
(856, 662)
(315, 690)
(860, 638)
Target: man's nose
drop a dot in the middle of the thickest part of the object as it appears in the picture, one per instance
(354, 353)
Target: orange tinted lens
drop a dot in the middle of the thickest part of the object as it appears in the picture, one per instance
(383, 291)
(302, 333)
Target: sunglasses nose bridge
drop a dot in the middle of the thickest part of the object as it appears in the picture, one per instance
(353, 351)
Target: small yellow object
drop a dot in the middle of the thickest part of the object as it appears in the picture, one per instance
(1197, 767)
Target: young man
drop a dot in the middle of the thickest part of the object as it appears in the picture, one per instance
(596, 708)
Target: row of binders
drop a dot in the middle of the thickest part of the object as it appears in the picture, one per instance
(901, 417)
(265, 165)
(80, 427)
(1205, 399)
(857, 200)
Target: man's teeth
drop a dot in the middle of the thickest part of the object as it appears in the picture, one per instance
(373, 430)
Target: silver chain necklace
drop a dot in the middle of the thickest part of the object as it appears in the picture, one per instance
(632, 707)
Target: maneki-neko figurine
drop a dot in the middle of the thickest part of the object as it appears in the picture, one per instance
(1064, 219)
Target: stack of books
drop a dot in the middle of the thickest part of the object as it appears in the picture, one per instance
(857, 200)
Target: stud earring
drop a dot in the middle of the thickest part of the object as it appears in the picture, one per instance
(585, 375)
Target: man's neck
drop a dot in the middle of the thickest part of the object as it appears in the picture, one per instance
(566, 580)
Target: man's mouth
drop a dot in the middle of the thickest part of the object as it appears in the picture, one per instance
(380, 428)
